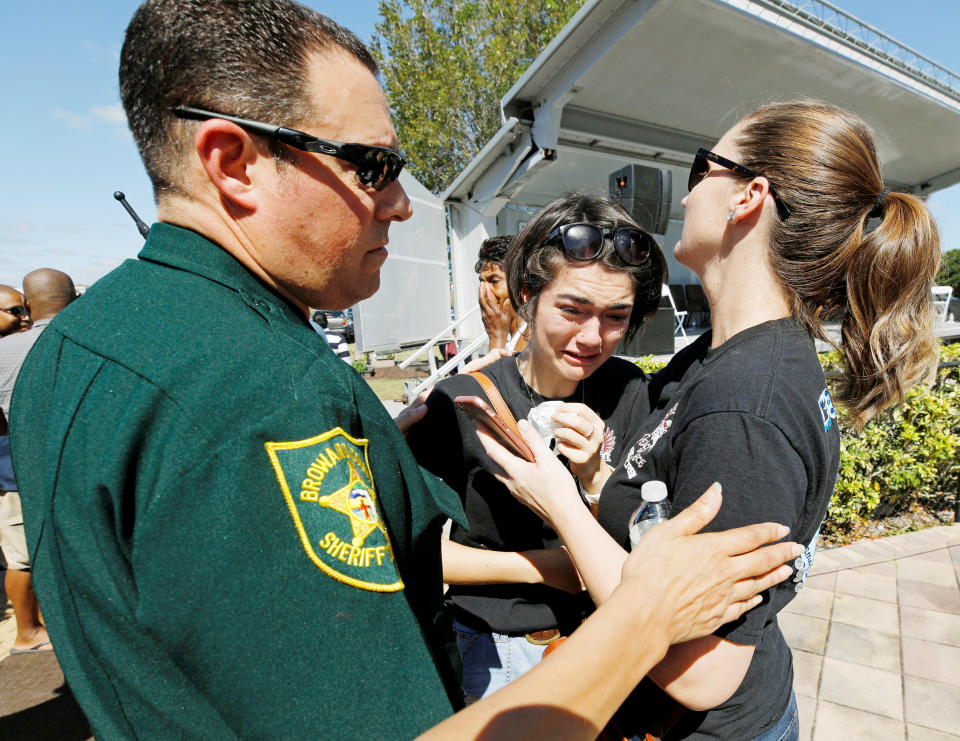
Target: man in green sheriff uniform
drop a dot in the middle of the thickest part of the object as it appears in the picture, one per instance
(235, 538)
(228, 533)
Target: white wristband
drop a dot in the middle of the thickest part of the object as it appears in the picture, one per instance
(589, 498)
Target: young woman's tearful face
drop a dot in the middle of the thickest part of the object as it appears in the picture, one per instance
(580, 319)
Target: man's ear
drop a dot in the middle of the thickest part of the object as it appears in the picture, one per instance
(228, 156)
(748, 201)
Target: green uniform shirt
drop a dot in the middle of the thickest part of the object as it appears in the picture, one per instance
(229, 535)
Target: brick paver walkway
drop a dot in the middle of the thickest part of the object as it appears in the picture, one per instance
(875, 635)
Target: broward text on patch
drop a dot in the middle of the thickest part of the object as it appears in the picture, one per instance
(330, 492)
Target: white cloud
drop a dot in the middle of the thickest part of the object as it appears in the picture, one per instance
(78, 121)
(18, 232)
(107, 52)
(110, 113)
(94, 117)
(19, 226)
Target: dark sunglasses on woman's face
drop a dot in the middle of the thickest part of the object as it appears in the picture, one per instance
(700, 168)
(377, 167)
(584, 241)
(18, 311)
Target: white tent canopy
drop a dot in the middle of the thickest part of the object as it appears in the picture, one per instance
(413, 302)
(650, 81)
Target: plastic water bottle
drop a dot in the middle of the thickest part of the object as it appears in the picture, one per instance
(653, 510)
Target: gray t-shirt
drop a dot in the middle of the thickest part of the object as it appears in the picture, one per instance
(13, 351)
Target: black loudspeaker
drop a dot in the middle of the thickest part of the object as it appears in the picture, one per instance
(655, 337)
(646, 193)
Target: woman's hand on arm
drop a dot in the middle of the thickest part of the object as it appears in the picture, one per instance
(580, 439)
(464, 564)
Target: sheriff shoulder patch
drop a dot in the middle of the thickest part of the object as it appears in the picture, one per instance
(329, 489)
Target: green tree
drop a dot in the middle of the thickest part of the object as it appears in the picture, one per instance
(447, 63)
(949, 274)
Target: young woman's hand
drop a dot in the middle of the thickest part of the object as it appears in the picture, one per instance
(495, 354)
(545, 486)
(580, 439)
(413, 413)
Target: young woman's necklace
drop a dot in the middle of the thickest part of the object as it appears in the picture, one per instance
(526, 386)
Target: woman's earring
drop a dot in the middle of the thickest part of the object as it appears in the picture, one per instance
(730, 216)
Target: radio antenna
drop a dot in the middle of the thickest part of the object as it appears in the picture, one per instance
(141, 226)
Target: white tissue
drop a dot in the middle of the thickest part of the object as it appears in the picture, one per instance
(541, 419)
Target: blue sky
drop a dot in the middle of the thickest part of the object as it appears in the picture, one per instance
(67, 148)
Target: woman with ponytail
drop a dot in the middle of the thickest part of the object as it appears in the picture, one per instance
(788, 225)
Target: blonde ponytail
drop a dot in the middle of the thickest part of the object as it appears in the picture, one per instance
(887, 330)
(825, 164)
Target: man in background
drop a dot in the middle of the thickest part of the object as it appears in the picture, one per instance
(13, 312)
(12, 315)
(46, 292)
(339, 345)
(498, 315)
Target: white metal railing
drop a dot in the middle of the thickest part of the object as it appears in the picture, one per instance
(853, 32)
(458, 360)
(443, 334)
(463, 354)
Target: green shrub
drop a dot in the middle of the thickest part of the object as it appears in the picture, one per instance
(649, 365)
(904, 455)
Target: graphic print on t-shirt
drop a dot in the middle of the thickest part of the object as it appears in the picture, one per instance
(827, 411)
(804, 562)
(606, 447)
(634, 459)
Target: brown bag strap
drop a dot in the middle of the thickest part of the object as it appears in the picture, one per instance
(496, 401)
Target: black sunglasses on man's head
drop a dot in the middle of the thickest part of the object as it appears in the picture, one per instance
(700, 168)
(377, 167)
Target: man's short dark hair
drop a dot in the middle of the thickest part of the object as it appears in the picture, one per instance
(246, 58)
(492, 250)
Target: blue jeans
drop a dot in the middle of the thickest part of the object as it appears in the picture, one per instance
(787, 728)
(493, 660)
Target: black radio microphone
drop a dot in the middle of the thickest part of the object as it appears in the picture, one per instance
(141, 226)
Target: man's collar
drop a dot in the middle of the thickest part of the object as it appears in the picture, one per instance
(188, 250)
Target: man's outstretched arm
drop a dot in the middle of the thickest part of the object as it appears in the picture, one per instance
(676, 586)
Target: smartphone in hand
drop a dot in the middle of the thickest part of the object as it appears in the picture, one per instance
(481, 412)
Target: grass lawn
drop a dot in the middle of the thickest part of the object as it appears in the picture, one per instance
(387, 383)
(389, 389)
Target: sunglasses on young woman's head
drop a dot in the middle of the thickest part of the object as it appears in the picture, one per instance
(584, 241)
(377, 167)
(700, 168)
(17, 311)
